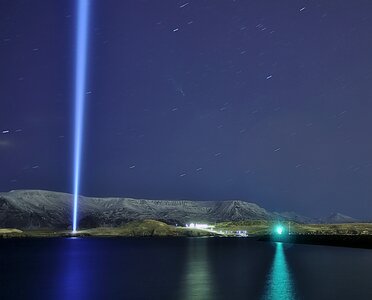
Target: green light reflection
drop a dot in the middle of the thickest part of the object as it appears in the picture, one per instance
(279, 284)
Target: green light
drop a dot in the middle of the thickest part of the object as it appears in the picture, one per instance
(279, 229)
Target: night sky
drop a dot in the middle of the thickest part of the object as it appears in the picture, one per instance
(264, 101)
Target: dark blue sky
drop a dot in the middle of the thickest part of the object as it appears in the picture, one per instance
(265, 101)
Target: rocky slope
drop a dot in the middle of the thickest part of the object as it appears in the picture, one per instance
(34, 209)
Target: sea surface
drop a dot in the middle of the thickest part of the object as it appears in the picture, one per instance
(180, 268)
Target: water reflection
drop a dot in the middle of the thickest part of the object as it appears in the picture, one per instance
(198, 282)
(73, 274)
(279, 284)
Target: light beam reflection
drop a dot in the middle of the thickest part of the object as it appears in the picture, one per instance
(80, 83)
(75, 276)
(279, 284)
(198, 281)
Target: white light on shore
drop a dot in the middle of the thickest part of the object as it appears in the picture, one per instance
(199, 226)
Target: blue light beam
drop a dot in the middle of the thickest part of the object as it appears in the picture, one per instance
(80, 83)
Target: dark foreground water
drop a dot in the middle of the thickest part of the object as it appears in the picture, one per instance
(193, 268)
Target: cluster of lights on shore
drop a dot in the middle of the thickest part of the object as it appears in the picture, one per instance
(200, 226)
(278, 229)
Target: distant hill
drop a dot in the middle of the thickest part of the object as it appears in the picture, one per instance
(337, 218)
(293, 216)
(34, 209)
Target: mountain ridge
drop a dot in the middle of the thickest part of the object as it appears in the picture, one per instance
(32, 209)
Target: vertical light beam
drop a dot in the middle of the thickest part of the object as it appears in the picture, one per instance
(80, 83)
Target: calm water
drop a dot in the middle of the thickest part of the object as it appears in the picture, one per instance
(193, 268)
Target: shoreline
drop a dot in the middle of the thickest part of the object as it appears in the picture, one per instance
(349, 241)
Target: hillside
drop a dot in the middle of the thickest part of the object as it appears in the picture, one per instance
(37, 209)
(33, 209)
(337, 218)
